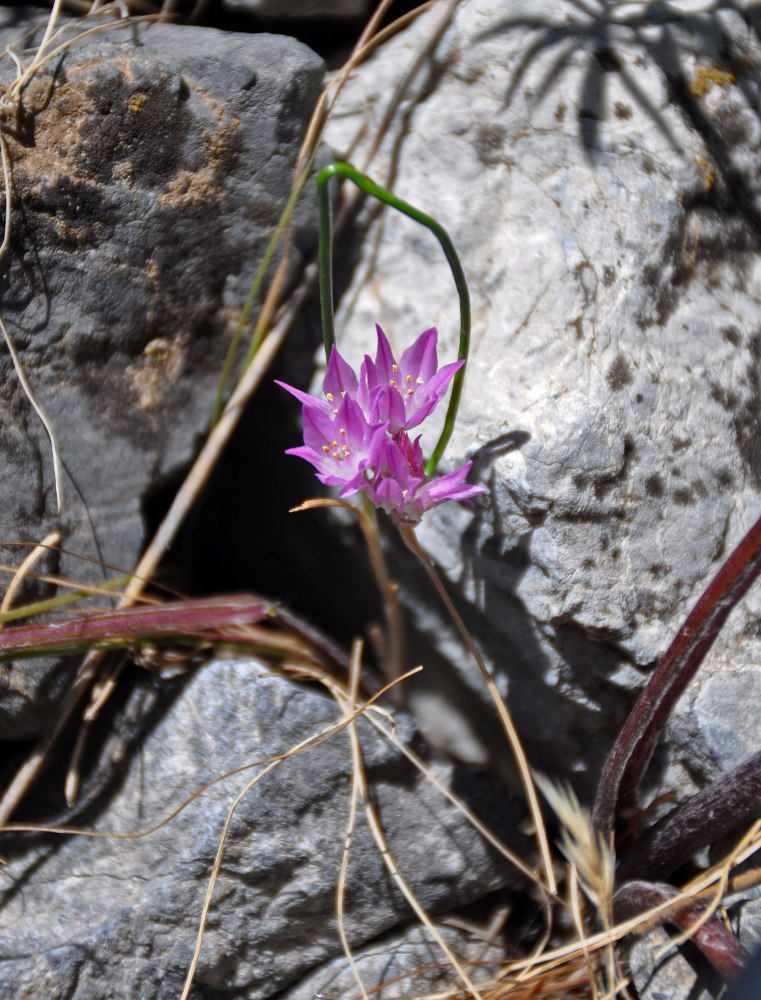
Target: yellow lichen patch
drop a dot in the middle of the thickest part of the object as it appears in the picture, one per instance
(157, 369)
(706, 77)
(124, 171)
(136, 102)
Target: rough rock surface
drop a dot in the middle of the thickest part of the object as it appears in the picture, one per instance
(86, 918)
(402, 964)
(149, 169)
(593, 166)
(300, 9)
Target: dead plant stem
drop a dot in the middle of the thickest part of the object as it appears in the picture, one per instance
(519, 755)
(21, 573)
(389, 861)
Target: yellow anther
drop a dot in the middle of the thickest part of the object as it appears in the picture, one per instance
(342, 431)
(410, 392)
(392, 382)
(408, 378)
(335, 444)
(394, 368)
(335, 454)
(329, 396)
(335, 412)
(325, 449)
(418, 380)
(345, 450)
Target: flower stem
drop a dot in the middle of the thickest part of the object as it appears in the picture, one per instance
(326, 279)
(388, 589)
(519, 755)
(368, 521)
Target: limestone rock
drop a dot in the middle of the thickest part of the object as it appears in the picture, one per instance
(95, 918)
(401, 964)
(593, 168)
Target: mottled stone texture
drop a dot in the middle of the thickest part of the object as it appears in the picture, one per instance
(150, 166)
(594, 171)
(90, 918)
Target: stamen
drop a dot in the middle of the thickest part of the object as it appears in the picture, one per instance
(394, 369)
(335, 444)
(325, 449)
(419, 380)
(345, 451)
(408, 378)
(410, 392)
(342, 431)
(329, 396)
(392, 382)
(335, 454)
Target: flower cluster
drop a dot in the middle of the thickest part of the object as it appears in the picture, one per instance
(357, 438)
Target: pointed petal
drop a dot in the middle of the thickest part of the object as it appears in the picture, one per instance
(304, 397)
(339, 377)
(419, 360)
(384, 359)
(387, 404)
(318, 427)
(452, 486)
(428, 396)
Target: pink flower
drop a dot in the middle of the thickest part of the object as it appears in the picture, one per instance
(356, 434)
(403, 490)
(340, 445)
(404, 392)
(339, 382)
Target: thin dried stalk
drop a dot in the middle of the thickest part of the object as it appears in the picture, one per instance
(23, 571)
(519, 754)
(389, 861)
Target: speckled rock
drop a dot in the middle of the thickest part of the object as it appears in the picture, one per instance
(593, 167)
(402, 964)
(149, 169)
(92, 919)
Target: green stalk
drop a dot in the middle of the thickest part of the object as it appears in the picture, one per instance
(326, 279)
(232, 351)
(53, 603)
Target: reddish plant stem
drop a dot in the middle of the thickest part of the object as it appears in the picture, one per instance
(719, 945)
(728, 803)
(631, 753)
(133, 625)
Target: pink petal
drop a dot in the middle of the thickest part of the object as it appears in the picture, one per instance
(318, 427)
(420, 359)
(428, 396)
(339, 378)
(386, 403)
(304, 397)
(384, 359)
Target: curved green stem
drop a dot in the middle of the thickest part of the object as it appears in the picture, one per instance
(326, 278)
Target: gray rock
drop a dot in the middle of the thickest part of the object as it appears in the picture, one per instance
(87, 918)
(149, 170)
(300, 10)
(663, 973)
(402, 964)
(593, 167)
